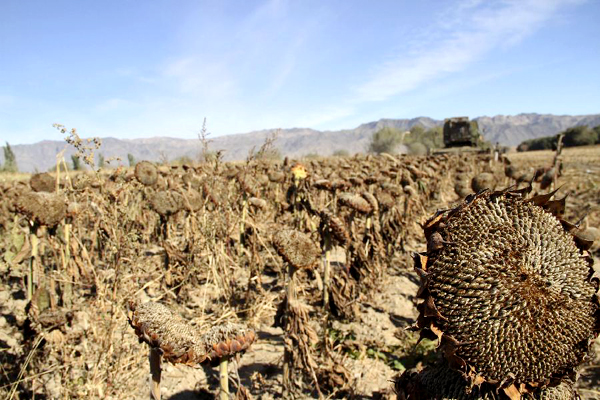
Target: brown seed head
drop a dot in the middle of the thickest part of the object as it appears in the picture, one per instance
(43, 182)
(42, 207)
(296, 248)
(510, 293)
(385, 200)
(181, 342)
(368, 196)
(158, 326)
(257, 203)
(166, 202)
(276, 176)
(227, 339)
(336, 226)
(192, 200)
(146, 173)
(355, 202)
(322, 184)
(485, 180)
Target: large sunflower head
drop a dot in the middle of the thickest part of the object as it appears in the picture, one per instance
(508, 290)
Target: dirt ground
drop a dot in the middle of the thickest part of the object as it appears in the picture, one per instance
(97, 355)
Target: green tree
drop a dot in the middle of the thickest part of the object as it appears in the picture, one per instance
(341, 153)
(420, 140)
(10, 160)
(417, 148)
(76, 162)
(101, 161)
(182, 160)
(311, 156)
(417, 132)
(385, 140)
(579, 136)
(543, 143)
(131, 160)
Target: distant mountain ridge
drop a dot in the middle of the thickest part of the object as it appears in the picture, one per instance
(296, 142)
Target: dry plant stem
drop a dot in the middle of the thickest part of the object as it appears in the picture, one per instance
(297, 217)
(326, 284)
(224, 379)
(367, 227)
(556, 161)
(243, 223)
(33, 260)
(67, 177)
(155, 355)
(287, 356)
(68, 295)
(327, 272)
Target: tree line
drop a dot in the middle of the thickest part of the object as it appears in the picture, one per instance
(417, 140)
(576, 136)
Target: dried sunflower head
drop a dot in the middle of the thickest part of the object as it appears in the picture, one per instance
(259, 204)
(485, 180)
(355, 202)
(322, 184)
(368, 196)
(192, 200)
(146, 173)
(508, 291)
(157, 325)
(180, 342)
(43, 182)
(385, 199)
(226, 340)
(296, 248)
(461, 188)
(276, 176)
(166, 202)
(42, 207)
(248, 185)
(336, 226)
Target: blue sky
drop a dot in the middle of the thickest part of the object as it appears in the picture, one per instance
(132, 69)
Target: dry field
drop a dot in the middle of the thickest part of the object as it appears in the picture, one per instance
(330, 316)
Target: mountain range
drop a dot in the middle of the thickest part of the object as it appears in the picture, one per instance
(295, 142)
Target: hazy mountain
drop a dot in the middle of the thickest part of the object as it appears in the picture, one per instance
(295, 142)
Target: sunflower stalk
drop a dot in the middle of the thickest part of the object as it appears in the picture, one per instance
(243, 224)
(224, 379)
(155, 372)
(33, 260)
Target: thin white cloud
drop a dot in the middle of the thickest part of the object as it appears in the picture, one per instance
(195, 75)
(325, 115)
(469, 31)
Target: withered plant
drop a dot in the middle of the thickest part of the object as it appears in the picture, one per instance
(299, 252)
(174, 339)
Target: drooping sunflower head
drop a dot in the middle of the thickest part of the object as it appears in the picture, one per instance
(508, 291)
(146, 173)
(296, 248)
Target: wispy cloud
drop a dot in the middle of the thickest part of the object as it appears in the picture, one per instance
(465, 34)
(194, 74)
(325, 115)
